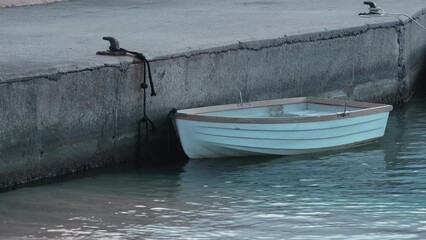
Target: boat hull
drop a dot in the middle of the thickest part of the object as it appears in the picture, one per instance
(205, 139)
(279, 127)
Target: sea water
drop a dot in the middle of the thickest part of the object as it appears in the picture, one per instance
(377, 191)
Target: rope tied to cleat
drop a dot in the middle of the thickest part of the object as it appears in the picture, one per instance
(116, 50)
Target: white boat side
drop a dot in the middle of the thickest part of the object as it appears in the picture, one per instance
(280, 127)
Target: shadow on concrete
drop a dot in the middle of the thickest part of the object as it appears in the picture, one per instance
(419, 86)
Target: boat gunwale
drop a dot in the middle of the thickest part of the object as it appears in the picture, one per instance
(367, 109)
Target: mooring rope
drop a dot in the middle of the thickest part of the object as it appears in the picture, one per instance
(115, 50)
(146, 70)
(376, 11)
(141, 57)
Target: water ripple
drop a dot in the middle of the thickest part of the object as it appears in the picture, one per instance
(377, 191)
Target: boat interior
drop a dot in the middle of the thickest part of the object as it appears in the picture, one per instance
(283, 110)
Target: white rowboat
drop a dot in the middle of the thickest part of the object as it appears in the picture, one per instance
(279, 127)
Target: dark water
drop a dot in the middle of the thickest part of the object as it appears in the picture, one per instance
(376, 191)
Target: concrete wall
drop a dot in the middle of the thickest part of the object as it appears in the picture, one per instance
(69, 122)
(334, 64)
(78, 121)
(413, 52)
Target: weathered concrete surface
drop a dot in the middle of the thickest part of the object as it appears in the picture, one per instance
(64, 36)
(17, 3)
(65, 109)
(412, 44)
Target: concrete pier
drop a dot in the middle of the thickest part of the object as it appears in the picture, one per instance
(64, 109)
(18, 3)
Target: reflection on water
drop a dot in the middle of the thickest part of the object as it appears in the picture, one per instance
(376, 191)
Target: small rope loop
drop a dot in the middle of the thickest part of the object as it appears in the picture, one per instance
(148, 122)
(172, 113)
(144, 85)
